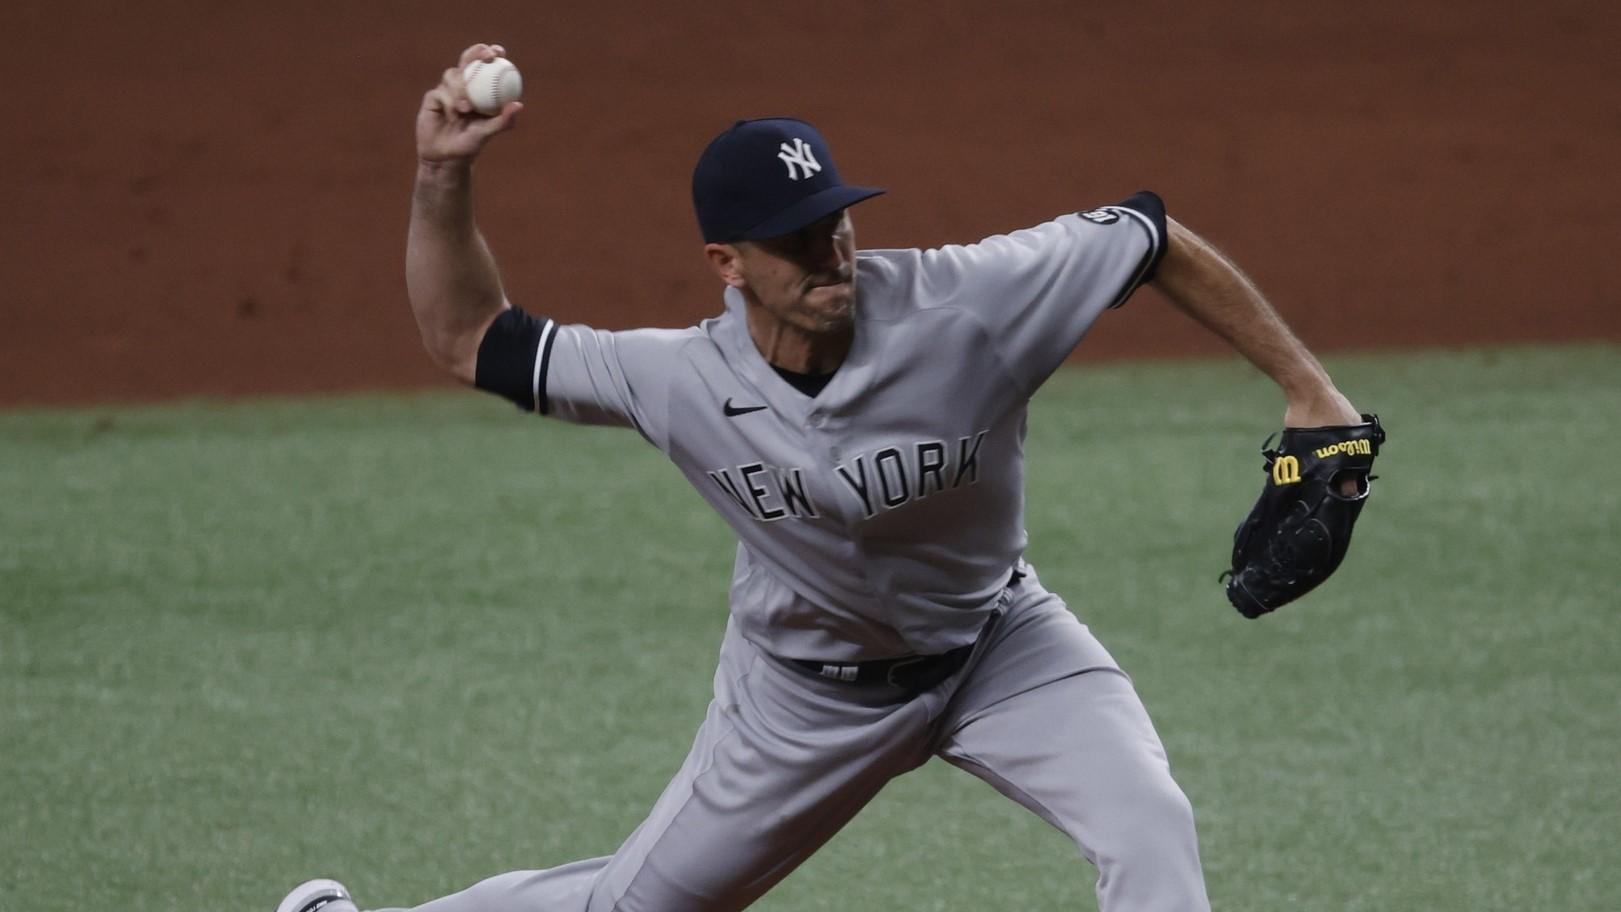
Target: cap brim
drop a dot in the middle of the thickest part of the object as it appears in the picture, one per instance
(807, 210)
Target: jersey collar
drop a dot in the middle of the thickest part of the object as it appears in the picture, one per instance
(732, 331)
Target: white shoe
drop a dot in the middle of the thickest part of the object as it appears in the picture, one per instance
(325, 895)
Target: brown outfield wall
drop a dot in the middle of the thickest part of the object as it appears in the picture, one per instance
(206, 198)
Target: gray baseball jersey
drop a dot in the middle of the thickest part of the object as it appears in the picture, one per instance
(882, 516)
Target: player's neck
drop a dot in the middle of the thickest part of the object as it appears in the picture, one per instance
(792, 348)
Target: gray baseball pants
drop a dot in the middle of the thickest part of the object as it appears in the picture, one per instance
(1041, 712)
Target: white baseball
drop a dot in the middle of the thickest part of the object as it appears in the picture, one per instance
(491, 85)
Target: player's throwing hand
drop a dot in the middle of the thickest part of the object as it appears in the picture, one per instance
(448, 129)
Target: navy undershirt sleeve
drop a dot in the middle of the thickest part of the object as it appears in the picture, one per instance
(507, 359)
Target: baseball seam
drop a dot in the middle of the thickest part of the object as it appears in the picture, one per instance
(471, 74)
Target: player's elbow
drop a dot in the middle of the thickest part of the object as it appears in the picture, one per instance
(452, 335)
(1193, 268)
(455, 352)
(1181, 256)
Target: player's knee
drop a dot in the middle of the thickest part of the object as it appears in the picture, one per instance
(1154, 824)
(1150, 856)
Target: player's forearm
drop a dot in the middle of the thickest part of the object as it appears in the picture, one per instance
(450, 275)
(1211, 289)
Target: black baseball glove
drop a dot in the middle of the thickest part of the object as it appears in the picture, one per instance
(1299, 530)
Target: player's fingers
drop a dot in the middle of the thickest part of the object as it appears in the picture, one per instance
(455, 88)
(489, 126)
(476, 52)
(439, 101)
(508, 118)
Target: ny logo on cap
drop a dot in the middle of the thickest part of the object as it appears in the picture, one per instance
(799, 154)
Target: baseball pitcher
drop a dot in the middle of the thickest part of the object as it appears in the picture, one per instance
(858, 418)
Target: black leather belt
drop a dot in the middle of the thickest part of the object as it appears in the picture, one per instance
(906, 672)
(915, 673)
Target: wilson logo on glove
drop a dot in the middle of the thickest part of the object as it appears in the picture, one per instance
(1286, 470)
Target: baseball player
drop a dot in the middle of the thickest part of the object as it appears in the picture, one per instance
(858, 418)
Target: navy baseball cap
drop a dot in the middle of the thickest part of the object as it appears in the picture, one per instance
(765, 178)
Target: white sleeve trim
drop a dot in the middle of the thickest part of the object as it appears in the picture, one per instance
(540, 363)
(1154, 242)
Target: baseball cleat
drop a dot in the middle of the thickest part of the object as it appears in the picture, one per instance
(324, 895)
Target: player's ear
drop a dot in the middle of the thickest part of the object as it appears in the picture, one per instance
(726, 260)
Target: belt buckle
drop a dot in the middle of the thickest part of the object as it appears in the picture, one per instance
(845, 673)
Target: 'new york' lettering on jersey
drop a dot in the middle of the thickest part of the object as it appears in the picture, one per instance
(881, 516)
(883, 480)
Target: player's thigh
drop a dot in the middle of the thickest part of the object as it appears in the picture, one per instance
(1081, 753)
(782, 762)
(1047, 717)
(1068, 745)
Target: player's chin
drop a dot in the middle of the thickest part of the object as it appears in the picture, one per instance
(834, 305)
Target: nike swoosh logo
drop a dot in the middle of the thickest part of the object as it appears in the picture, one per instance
(732, 411)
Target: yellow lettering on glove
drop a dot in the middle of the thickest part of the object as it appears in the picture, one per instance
(1347, 447)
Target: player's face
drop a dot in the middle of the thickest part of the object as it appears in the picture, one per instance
(806, 279)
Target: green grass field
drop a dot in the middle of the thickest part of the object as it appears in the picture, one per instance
(414, 640)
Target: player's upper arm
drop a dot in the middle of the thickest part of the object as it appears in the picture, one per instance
(580, 374)
(1038, 290)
